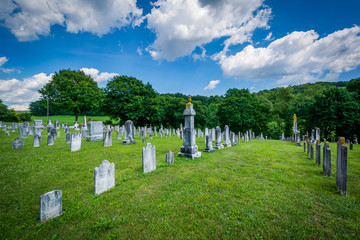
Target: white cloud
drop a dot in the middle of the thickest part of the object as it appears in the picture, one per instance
(212, 85)
(94, 73)
(20, 93)
(182, 25)
(28, 19)
(299, 57)
(3, 60)
(201, 56)
(269, 37)
(139, 51)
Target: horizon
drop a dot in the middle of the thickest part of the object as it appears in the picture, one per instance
(199, 47)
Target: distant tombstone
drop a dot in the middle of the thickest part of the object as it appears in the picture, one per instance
(56, 124)
(142, 133)
(84, 132)
(308, 146)
(53, 133)
(304, 142)
(38, 131)
(232, 138)
(327, 159)
(104, 177)
(76, 126)
(170, 157)
(95, 131)
(7, 133)
(22, 131)
(36, 140)
(57, 133)
(148, 158)
(151, 135)
(50, 140)
(208, 142)
(50, 205)
(155, 131)
(38, 124)
(355, 139)
(17, 143)
(341, 166)
(218, 144)
(75, 142)
(107, 142)
(317, 134)
(312, 151)
(318, 153)
(68, 137)
(129, 133)
(85, 121)
(31, 130)
(226, 142)
(351, 146)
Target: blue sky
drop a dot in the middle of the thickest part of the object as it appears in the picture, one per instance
(197, 47)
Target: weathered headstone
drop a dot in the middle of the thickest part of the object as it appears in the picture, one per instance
(189, 148)
(38, 123)
(7, 133)
(75, 142)
(22, 131)
(232, 138)
(208, 142)
(107, 139)
(68, 137)
(170, 157)
(95, 131)
(226, 142)
(56, 124)
(308, 146)
(148, 158)
(119, 135)
(50, 140)
(50, 205)
(129, 133)
(317, 134)
(218, 144)
(312, 151)
(31, 130)
(36, 140)
(84, 132)
(17, 143)
(104, 177)
(355, 139)
(318, 153)
(341, 166)
(53, 133)
(327, 159)
(351, 146)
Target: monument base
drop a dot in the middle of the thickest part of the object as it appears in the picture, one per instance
(190, 155)
(209, 150)
(227, 144)
(219, 146)
(95, 138)
(127, 142)
(298, 144)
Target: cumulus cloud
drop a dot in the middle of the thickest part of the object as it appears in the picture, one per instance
(94, 73)
(28, 19)
(299, 57)
(212, 85)
(3, 60)
(182, 25)
(20, 93)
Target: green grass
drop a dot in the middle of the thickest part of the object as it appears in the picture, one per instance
(260, 189)
(69, 118)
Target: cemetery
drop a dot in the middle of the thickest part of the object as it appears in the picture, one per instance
(102, 185)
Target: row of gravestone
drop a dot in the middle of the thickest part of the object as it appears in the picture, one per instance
(341, 159)
(104, 179)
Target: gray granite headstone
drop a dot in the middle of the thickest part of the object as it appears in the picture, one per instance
(95, 131)
(68, 137)
(84, 132)
(107, 139)
(53, 133)
(36, 140)
(170, 157)
(104, 177)
(218, 144)
(38, 123)
(232, 138)
(227, 142)
(312, 151)
(50, 140)
(208, 142)
(22, 131)
(148, 158)
(75, 142)
(327, 159)
(318, 153)
(17, 143)
(7, 133)
(50, 205)
(341, 166)
(119, 135)
(31, 130)
(129, 132)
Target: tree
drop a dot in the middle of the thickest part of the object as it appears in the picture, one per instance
(242, 111)
(7, 115)
(38, 108)
(128, 98)
(354, 87)
(335, 111)
(72, 91)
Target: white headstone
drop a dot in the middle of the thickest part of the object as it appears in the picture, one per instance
(50, 205)
(75, 142)
(148, 158)
(104, 177)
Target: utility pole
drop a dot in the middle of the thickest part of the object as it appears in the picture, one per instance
(47, 112)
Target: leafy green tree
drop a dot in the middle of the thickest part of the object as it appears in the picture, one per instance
(173, 108)
(8, 115)
(353, 86)
(241, 111)
(128, 98)
(25, 117)
(335, 110)
(212, 119)
(72, 91)
(38, 108)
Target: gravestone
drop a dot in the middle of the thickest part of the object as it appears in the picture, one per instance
(129, 133)
(36, 140)
(38, 124)
(104, 177)
(327, 159)
(208, 142)
(189, 148)
(107, 139)
(317, 134)
(85, 125)
(148, 158)
(95, 131)
(308, 146)
(312, 151)
(56, 124)
(84, 132)
(76, 126)
(170, 157)
(318, 153)
(232, 138)
(351, 146)
(31, 130)
(68, 137)
(50, 140)
(151, 136)
(119, 135)
(50, 205)
(218, 144)
(57, 133)
(75, 142)
(227, 142)
(53, 133)
(22, 131)
(341, 166)
(17, 143)
(7, 133)
(312, 135)
(355, 139)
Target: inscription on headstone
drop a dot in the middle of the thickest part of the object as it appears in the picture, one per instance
(50, 205)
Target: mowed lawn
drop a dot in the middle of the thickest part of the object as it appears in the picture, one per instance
(261, 189)
(70, 119)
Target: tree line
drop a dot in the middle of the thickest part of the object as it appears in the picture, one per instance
(333, 107)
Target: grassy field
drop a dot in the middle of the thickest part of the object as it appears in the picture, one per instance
(69, 118)
(260, 189)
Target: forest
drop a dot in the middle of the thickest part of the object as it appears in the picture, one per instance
(334, 107)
